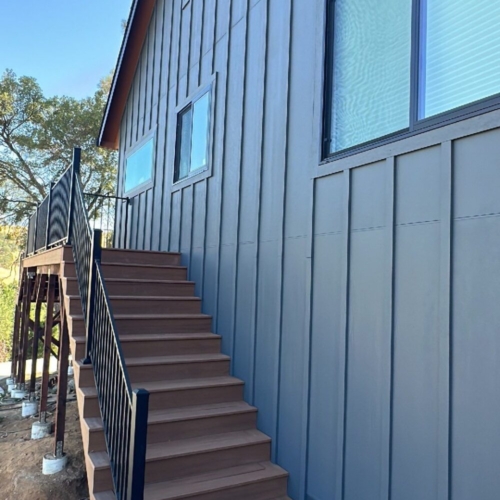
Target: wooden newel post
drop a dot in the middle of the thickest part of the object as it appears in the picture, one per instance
(75, 172)
(138, 439)
(95, 256)
(49, 210)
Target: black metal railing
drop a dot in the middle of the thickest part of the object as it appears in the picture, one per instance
(103, 216)
(58, 210)
(124, 411)
(42, 224)
(125, 414)
(30, 240)
(48, 226)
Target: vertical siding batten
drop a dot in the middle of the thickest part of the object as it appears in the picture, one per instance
(288, 45)
(219, 165)
(238, 161)
(244, 347)
(344, 364)
(259, 202)
(445, 373)
(385, 480)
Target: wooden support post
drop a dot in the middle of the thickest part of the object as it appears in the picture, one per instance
(25, 318)
(51, 292)
(15, 338)
(62, 386)
(36, 327)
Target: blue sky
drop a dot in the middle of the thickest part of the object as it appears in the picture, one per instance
(67, 45)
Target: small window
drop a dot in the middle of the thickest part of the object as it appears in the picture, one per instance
(139, 167)
(193, 137)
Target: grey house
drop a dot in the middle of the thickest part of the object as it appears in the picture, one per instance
(330, 173)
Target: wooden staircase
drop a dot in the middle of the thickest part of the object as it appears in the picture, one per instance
(202, 441)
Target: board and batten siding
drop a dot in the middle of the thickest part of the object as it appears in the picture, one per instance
(359, 299)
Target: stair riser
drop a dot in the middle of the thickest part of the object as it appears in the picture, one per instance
(194, 397)
(98, 479)
(144, 273)
(151, 306)
(132, 272)
(75, 306)
(84, 376)
(163, 325)
(161, 432)
(151, 373)
(96, 441)
(172, 468)
(262, 490)
(161, 348)
(140, 306)
(200, 463)
(76, 327)
(151, 289)
(91, 407)
(145, 325)
(128, 257)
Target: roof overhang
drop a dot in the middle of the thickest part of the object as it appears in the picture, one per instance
(130, 52)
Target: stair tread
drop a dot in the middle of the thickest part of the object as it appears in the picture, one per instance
(175, 385)
(191, 446)
(146, 252)
(162, 316)
(209, 482)
(145, 337)
(188, 383)
(213, 481)
(152, 316)
(129, 264)
(177, 359)
(138, 281)
(188, 413)
(174, 298)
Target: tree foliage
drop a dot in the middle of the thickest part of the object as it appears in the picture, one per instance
(37, 136)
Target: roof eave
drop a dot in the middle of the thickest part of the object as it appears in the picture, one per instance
(130, 52)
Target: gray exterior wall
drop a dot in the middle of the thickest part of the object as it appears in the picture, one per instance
(359, 299)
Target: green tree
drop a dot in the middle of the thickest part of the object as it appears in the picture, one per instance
(37, 136)
(8, 292)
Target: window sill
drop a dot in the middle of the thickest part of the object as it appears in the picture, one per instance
(430, 134)
(192, 179)
(146, 186)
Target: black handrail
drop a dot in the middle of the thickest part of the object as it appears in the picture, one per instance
(124, 411)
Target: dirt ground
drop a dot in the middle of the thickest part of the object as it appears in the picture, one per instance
(21, 475)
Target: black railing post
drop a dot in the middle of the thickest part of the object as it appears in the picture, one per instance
(126, 224)
(36, 228)
(138, 439)
(49, 209)
(95, 256)
(75, 172)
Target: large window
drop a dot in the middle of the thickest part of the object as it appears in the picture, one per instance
(139, 167)
(193, 136)
(396, 66)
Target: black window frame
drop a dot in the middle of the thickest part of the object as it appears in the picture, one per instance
(416, 125)
(200, 173)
